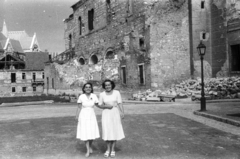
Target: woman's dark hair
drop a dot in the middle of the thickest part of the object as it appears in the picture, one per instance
(88, 83)
(108, 80)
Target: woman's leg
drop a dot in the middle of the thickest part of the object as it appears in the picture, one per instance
(90, 146)
(113, 153)
(113, 145)
(87, 146)
(106, 154)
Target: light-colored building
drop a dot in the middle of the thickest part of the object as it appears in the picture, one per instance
(28, 43)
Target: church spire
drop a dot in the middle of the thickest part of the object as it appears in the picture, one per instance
(4, 29)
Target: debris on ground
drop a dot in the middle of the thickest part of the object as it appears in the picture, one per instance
(215, 88)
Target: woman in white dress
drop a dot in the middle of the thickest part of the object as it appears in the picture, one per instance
(112, 129)
(87, 129)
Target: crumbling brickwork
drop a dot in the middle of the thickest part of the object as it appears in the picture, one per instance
(138, 43)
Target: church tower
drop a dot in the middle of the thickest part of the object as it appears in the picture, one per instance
(4, 29)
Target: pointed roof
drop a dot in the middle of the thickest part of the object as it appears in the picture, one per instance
(2, 37)
(16, 46)
(4, 29)
(1, 48)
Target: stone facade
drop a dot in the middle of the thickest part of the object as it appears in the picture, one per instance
(138, 43)
(216, 23)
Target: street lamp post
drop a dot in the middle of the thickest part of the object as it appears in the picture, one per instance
(201, 51)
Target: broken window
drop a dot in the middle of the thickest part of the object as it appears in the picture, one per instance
(109, 55)
(13, 77)
(13, 89)
(141, 73)
(141, 43)
(90, 19)
(24, 89)
(123, 73)
(23, 76)
(34, 76)
(235, 63)
(80, 25)
(94, 59)
(109, 11)
(81, 61)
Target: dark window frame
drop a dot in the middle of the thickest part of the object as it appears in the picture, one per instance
(91, 19)
(24, 89)
(235, 57)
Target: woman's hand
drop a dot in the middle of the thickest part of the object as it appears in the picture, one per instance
(121, 114)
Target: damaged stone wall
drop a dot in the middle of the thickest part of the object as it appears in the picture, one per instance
(120, 35)
(148, 35)
(220, 20)
(169, 42)
(7, 85)
(201, 24)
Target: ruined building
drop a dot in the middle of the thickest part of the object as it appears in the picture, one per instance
(217, 24)
(21, 71)
(138, 43)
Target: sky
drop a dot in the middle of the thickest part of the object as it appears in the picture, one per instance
(44, 17)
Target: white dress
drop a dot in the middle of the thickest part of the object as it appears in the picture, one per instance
(87, 128)
(111, 121)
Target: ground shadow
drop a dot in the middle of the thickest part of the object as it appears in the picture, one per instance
(234, 115)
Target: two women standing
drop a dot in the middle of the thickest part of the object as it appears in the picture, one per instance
(111, 103)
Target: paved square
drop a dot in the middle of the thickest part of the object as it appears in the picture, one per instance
(147, 136)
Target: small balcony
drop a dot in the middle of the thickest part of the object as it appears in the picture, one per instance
(36, 83)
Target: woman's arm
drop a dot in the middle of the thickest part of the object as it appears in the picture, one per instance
(103, 106)
(120, 106)
(79, 108)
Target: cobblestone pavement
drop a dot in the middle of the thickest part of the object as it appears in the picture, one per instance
(168, 131)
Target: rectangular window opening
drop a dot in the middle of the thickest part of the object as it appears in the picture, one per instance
(43, 75)
(13, 89)
(34, 77)
(141, 43)
(24, 89)
(235, 59)
(202, 4)
(23, 76)
(34, 89)
(123, 72)
(204, 36)
(90, 19)
(52, 83)
(141, 73)
(13, 77)
(80, 25)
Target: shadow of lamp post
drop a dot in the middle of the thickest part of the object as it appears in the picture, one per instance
(201, 51)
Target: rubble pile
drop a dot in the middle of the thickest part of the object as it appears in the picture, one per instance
(215, 88)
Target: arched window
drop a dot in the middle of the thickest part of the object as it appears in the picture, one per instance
(94, 59)
(109, 55)
(81, 61)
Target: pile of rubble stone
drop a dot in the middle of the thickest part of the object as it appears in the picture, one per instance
(215, 88)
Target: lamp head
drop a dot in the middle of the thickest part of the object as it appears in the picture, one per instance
(201, 49)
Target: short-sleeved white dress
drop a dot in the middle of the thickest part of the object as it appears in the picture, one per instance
(87, 128)
(111, 121)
